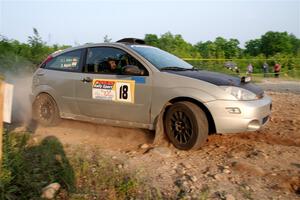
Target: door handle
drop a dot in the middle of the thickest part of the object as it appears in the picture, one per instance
(86, 80)
(40, 74)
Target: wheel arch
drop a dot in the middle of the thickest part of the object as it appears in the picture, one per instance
(211, 122)
(51, 96)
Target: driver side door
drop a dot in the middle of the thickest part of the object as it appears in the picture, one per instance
(105, 94)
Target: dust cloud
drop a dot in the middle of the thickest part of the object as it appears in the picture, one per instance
(21, 108)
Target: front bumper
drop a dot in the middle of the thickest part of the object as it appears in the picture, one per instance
(253, 114)
(31, 98)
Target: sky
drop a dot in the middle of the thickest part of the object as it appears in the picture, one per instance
(78, 22)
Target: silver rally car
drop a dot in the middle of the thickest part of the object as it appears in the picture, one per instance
(131, 84)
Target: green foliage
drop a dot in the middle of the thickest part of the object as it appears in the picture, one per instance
(295, 42)
(276, 42)
(28, 168)
(271, 47)
(220, 48)
(151, 39)
(106, 39)
(99, 177)
(207, 49)
(16, 56)
(38, 48)
(253, 47)
(232, 49)
(174, 44)
(272, 43)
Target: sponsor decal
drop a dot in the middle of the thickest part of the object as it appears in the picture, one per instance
(114, 90)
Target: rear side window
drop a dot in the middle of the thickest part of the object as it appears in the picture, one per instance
(69, 61)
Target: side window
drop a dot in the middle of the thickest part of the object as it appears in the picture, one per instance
(69, 61)
(108, 60)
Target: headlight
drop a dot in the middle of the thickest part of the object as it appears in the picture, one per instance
(239, 93)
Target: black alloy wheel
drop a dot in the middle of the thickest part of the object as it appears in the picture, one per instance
(186, 125)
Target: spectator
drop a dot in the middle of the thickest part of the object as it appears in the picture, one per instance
(265, 69)
(277, 68)
(249, 69)
(237, 70)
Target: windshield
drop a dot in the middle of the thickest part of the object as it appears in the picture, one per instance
(159, 58)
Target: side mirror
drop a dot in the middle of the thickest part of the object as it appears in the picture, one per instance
(132, 70)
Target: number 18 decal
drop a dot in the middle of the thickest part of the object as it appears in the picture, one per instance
(125, 91)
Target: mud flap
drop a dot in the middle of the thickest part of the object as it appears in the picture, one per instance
(160, 136)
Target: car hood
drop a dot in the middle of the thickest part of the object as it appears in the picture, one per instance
(219, 79)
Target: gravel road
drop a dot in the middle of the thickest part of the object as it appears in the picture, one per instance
(281, 86)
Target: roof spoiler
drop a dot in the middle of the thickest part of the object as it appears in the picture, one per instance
(132, 41)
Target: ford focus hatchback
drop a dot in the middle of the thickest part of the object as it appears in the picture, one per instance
(131, 84)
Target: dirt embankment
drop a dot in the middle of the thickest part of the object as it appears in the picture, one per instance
(264, 164)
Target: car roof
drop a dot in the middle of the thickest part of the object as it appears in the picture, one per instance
(87, 45)
(120, 43)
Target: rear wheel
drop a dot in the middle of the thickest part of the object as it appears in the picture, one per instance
(45, 110)
(186, 125)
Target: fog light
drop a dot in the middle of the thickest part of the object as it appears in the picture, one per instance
(253, 125)
(233, 110)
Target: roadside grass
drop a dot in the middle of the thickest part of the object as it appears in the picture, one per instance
(28, 166)
(102, 177)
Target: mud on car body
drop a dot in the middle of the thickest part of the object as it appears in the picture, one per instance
(150, 84)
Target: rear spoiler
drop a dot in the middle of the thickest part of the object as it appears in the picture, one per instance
(132, 41)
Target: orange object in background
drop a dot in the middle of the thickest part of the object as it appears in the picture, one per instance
(277, 68)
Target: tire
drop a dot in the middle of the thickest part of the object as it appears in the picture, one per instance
(45, 110)
(186, 125)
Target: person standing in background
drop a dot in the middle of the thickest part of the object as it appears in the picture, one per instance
(265, 69)
(249, 69)
(277, 68)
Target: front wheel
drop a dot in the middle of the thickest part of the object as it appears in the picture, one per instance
(186, 125)
(45, 110)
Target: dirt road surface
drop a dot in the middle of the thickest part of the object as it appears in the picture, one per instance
(264, 164)
(280, 86)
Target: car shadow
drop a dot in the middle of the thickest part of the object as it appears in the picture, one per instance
(32, 166)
